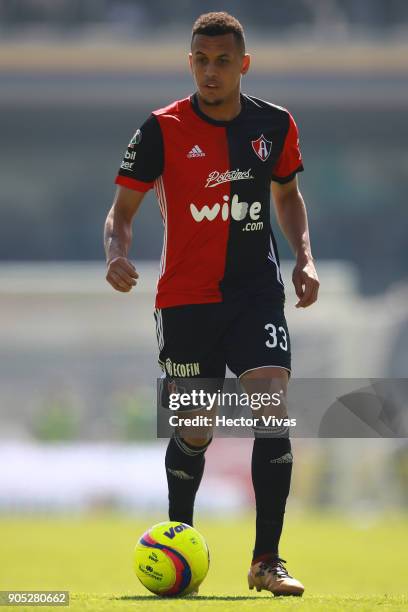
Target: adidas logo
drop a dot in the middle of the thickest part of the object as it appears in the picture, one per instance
(180, 474)
(286, 458)
(195, 152)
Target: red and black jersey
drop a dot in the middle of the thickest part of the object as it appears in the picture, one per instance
(212, 180)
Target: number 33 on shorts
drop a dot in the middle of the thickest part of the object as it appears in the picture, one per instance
(277, 336)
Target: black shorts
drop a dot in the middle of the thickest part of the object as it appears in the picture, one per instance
(200, 340)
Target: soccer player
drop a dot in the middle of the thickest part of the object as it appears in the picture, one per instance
(213, 159)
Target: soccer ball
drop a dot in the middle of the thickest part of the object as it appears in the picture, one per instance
(171, 559)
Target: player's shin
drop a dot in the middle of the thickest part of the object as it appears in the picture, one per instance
(184, 469)
(271, 476)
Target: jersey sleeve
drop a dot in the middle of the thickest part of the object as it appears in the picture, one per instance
(143, 161)
(290, 160)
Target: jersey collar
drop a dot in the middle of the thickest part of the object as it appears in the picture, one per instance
(204, 117)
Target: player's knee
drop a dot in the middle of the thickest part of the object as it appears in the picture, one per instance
(198, 442)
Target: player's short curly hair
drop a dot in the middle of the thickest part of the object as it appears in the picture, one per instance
(218, 23)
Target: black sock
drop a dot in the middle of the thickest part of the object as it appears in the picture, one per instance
(184, 470)
(271, 474)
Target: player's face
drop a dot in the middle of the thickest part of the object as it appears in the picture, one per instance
(217, 63)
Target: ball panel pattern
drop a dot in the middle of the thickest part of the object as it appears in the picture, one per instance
(183, 571)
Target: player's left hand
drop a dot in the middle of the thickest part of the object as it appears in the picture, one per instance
(306, 283)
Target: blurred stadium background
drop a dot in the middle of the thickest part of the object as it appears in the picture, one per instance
(77, 415)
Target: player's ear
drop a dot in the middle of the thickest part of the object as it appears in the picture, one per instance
(246, 61)
(190, 61)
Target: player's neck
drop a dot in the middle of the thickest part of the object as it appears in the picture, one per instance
(226, 111)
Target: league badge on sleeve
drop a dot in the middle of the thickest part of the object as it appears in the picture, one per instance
(136, 138)
(262, 147)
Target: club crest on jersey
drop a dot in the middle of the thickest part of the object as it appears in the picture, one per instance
(262, 147)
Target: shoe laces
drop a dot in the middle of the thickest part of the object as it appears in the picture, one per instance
(275, 567)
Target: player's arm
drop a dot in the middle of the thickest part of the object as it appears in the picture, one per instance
(292, 215)
(121, 273)
(142, 164)
(292, 218)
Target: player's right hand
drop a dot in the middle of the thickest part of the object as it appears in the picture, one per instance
(121, 274)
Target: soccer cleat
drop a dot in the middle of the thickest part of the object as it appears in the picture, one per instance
(273, 576)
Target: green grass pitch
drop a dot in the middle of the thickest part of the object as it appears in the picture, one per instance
(344, 565)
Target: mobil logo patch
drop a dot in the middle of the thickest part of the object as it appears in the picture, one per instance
(262, 147)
